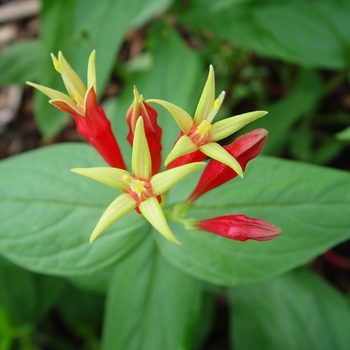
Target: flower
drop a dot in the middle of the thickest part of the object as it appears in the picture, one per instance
(244, 149)
(200, 133)
(81, 103)
(239, 227)
(140, 108)
(141, 190)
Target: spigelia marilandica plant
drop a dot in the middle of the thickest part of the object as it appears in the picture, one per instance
(145, 186)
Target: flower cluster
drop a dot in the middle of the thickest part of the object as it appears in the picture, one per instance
(144, 187)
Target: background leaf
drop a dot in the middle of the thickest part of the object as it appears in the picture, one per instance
(27, 296)
(19, 62)
(48, 215)
(284, 113)
(150, 304)
(309, 33)
(295, 311)
(309, 203)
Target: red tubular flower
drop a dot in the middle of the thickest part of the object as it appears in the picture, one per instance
(140, 108)
(81, 103)
(244, 149)
(240, 227)
(95, 127)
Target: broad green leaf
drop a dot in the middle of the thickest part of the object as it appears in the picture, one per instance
(19, 62)
(150, 304)
(297, 310)
(27, 296)
(47, 213)
(96, 283)
(309, 33)
(310, 203)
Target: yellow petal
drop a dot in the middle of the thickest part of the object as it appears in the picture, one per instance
(183, 146)
(215, 151)
(112, 177)
(207, 98)
(141, 163)
(182, 118)
(74, 85)
(153, 212)
(91, 75)
(122, 205)
(163, 181)
(227, 127)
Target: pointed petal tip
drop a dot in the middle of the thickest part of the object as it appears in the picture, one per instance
(92, 54)
(177, 242)
(136, 92)
(56, 62)
(95, 233)
(93, 236)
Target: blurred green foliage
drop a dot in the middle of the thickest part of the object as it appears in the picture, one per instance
(289, 57)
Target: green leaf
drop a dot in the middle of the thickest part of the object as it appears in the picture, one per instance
(96, 283)
(344, 135)
(150, 304)
(27, 296)
(81, 310)
(310, 204)
(297, 310)
(47, 213)
(309, 33)
(53, 36)
(308, 146)
(19, 62)
(283, 114)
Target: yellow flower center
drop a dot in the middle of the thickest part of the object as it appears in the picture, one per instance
(203, 128)
(200, 135)
(139, 189)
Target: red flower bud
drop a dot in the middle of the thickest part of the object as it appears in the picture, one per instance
(140, 108)
(240, 227)
(244, 149)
